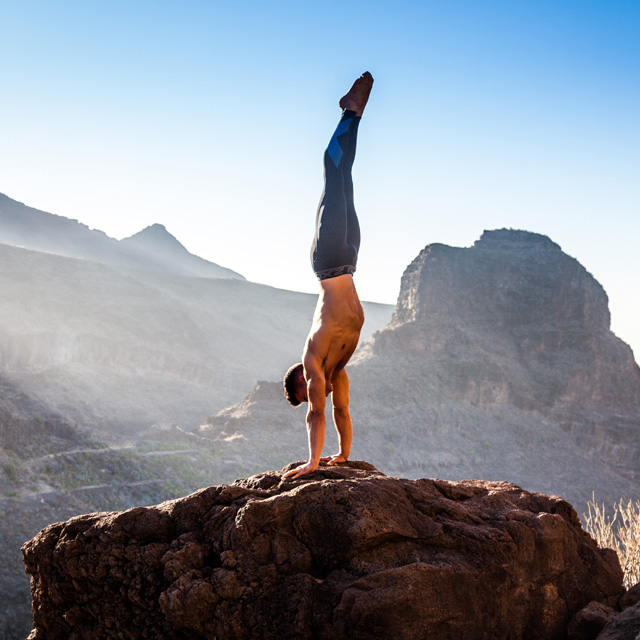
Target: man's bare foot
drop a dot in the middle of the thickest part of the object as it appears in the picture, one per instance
(358, 95)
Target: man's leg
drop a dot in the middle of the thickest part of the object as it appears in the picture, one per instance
(353, 227)
(337, 239)
(334, 252)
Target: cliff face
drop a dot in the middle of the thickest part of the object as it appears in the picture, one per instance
(510, 278)
(345, 552)
(513, 322)
(532, 315)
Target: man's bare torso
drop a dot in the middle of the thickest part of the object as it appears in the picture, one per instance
(335, 330)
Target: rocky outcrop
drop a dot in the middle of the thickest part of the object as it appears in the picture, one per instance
(344, 552)
(588, 623)
(598, 621)
(543, 321)
(626, 626)
(514, 325)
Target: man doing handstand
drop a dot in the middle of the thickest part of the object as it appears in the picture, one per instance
(338, 316)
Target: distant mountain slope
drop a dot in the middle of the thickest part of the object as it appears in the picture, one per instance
(498, 364)
(27, 429)
(162, 249)
(153, 249)
(122, 339)
(106, 348)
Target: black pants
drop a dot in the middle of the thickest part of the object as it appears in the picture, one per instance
(334, 251)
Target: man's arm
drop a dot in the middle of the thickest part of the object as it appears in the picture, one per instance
(316, 423)
(341, 417)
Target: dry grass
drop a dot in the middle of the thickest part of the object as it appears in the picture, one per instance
(621, 533)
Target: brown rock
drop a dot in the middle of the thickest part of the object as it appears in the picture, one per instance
(344, 552)
(630, 597)
(589, 622)
(626, 626)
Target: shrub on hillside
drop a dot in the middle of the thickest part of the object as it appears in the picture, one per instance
(621, 533)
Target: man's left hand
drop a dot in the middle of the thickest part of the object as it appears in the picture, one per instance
(309, 467)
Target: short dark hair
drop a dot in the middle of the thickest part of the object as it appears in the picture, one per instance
(290, 383)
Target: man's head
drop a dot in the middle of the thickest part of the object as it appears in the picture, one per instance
(295, 386)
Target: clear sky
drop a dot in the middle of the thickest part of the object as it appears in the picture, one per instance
(211, 118)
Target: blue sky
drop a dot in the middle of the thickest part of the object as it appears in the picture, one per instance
(211, 119)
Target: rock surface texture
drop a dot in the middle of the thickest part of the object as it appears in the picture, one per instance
(346, 552)
(626, 626)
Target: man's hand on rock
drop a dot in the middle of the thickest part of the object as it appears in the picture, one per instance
(335, 459)
(309, 467)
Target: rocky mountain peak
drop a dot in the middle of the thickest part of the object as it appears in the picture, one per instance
(156, 228)
(514, 239)
(509, 278)
(153, 249)
(159, 246)
(510, 325)
(155, 238)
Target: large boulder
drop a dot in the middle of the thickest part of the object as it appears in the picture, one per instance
(626, 626)
(345, 552)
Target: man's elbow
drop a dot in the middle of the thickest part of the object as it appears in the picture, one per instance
(314, 415)
(341, 413)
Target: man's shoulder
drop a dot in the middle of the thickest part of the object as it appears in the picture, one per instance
(311, 360)
(319, 340)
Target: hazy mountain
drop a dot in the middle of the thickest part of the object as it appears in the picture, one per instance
(152, 249)
(100, 340)
(163, 250)
(498, 364)
(108, 349)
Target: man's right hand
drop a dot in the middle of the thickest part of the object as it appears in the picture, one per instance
(303, 469)
(335, 459)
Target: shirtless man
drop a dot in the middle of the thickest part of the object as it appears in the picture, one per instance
(338, 316)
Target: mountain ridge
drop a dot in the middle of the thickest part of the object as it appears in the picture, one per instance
(110, 348)
(30, 228)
